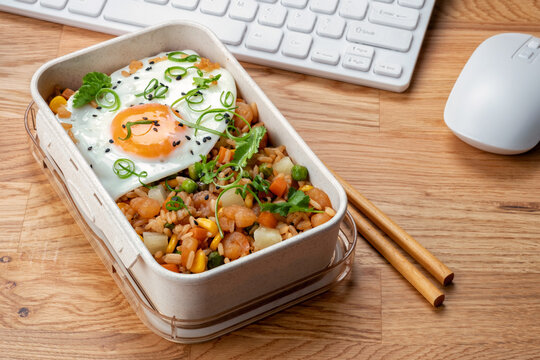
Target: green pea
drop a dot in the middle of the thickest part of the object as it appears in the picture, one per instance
(194, 174)
(189, 186)
(214, 260)
(299, 172)
(266, 170)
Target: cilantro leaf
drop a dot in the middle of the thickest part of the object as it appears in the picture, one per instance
(247, 147)
(297, 201)
(206, 170)
(92, 83)
(260, 184)
(204, 83)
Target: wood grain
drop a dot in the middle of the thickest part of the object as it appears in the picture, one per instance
(475, 211)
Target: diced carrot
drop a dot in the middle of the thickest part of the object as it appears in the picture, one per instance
(267, 219)
(171, 267)
(278, 186)
(225, 155)
(67, 93)
(199, 233)
(66, 126)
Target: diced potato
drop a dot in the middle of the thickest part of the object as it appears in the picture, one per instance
(230, 197)
(155, 241)
(158, 193)
(265, 237)
(284, 166)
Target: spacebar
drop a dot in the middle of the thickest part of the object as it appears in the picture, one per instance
(142, 14)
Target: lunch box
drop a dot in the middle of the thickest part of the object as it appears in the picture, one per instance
(187, 307)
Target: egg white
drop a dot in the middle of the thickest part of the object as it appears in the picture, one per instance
(94, 132)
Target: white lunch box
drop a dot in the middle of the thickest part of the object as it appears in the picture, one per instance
(209, 300)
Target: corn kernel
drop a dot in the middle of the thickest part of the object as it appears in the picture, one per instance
(199, 263)
(57, 102)
(306, 188)
(172, 244)
(208, 225)
(215, 242)
(249, 200)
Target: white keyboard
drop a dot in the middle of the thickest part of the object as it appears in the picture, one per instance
(367, 42)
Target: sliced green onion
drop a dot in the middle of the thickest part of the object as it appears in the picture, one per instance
(188, 58)
(169, 72)
(124, 168)
(223, 101)
(104, 102)
(129, 124)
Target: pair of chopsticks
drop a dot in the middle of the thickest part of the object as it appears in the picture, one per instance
(433, 265)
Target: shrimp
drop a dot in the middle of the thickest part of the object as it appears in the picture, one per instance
(202, 201)
(242, 216)
(235, 245)
(245, 111)
(146, 207)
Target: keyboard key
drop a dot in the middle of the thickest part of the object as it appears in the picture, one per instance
(325, 56)
(268, 1)
(356, 62)
(159, 2)
(272, 15)
(415, 4)
(185, 4)
(533, 44)
(302, 21)
(385, 1)
(360, 50)
(27, 1)
(353, 9)
(299, 4)
(243, 10)
(53, 4)
(214, 7)
(394, 16)
(227, 30)
(296, 45)
(386, 69)
(264, 38)
(86, 7)
(324, 6)
(331, 27)
(380, 36)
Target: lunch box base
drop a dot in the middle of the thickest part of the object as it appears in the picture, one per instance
(196, 330)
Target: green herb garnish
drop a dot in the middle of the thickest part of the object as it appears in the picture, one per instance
(260, 184)
(124, 168)
(187, 58)
(297, 201)
(103, 101)
(93, 82)
(204, 83)
(248, 146)
(176, 203)
(205, 170)
(154, 90)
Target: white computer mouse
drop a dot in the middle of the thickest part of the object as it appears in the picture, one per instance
(495, 102)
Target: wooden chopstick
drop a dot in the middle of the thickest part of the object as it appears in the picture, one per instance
(398, 261)
(433, 265)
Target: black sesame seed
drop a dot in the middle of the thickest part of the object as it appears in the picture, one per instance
(144, 118)
(191, 151)
(91, 166)
(94, 115)
(187, 137)
(218, 187)
(136, 78)
(183, 93)
(98, 108)
(196, 222)
(111, 141)
(107, 150)
(208, 138)
(155, 129)
(151, 62)
(180, 124)
(198, 142)
(89, 148)
(148, 68)
(114, 87)
(150, 96)
(123, 126)
(206, 197)
(203, 140)
(179, 77)
(174, 198)
(119, 81)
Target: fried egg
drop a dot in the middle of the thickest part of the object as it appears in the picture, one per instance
(160, 144)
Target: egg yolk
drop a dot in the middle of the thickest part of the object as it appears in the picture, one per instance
(154, 130)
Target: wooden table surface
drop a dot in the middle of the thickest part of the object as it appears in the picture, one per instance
(478, 212)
